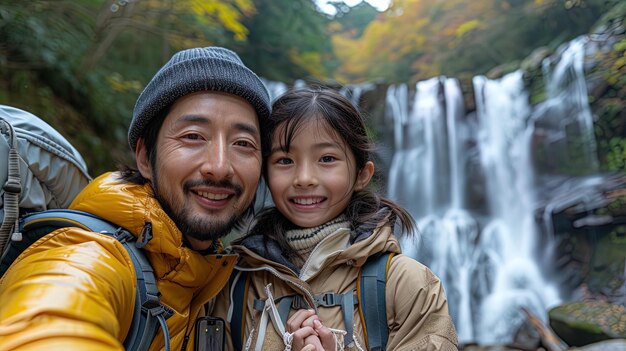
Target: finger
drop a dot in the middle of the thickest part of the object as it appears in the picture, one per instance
(295, 321)
(300, 335)
(309, 321)
(315, 342)
(326, 336)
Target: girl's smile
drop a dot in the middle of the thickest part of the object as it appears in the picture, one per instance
(312, 182)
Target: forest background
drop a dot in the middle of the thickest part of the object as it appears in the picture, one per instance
(81, 64)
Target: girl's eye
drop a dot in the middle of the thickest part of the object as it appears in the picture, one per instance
(284, 161)
(327, 159)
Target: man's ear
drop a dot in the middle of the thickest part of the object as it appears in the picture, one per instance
(143, 163)
(365, 175)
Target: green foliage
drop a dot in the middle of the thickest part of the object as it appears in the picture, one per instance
(527, 25)
(288, 41)
(616, 155)
(96, 56)
(609, 103)
(87, 60)
(416, 40)
(353, 20)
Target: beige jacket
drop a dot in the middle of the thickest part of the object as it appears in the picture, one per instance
(417, 309)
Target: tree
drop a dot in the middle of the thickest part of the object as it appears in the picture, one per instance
(92, 58)
(287, 41)
(417, 39)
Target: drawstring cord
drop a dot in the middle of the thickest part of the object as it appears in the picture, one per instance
(271, 311)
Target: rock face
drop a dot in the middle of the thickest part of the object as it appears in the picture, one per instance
(609, 345)
(591, 252)
(587, 322)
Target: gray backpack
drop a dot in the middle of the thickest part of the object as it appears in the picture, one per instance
(40, 174)
(42, 170)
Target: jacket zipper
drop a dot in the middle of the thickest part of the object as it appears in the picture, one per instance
(185, 342)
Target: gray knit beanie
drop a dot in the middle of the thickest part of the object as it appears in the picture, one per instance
(193, 70)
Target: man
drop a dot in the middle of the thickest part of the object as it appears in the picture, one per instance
(196, 135)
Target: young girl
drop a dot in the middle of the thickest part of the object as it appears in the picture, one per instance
(324, 226)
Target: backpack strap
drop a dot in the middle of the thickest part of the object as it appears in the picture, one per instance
(149, 312)
(330, 299)
(372, 302)
(370, 297)
(12, 189)
(148, 308)
(239, 285)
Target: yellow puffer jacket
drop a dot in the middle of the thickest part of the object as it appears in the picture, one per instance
(75, 290)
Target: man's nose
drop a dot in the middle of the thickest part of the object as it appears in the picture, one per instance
(217, 163)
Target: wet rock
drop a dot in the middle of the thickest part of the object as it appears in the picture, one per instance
(586, 322)
(609, 345)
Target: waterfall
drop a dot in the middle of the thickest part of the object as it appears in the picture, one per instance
(424, 145)
(564, 122)
(427, 176)
(510, 232)
(472, 183)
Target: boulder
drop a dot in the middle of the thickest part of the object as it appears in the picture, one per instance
(586, 322)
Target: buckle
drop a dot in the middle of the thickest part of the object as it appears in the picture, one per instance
(328, 299)
(299, 303)
(12, 186)
(123, 235)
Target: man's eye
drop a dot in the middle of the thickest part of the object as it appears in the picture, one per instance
(243, 143)
(192, 136)
(327, 159)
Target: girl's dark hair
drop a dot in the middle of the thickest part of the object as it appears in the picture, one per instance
(293, 109)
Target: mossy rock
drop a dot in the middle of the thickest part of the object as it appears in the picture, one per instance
(586, 322)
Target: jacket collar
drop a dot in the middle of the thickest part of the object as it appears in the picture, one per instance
(130, 206)
(341, 247)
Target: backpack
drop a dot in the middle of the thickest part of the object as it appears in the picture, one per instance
(41, 176)
(370, 299)
(39, 168)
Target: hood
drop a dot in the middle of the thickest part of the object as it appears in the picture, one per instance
(340, 247)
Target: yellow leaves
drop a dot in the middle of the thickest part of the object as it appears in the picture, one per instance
(311, 61)
(246, 6)
(618, 69)
(117, 83)
(467, 27)
(227, 13)
(356, 61)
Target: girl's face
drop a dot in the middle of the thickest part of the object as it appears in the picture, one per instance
(313, 182)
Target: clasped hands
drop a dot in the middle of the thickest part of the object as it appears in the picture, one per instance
(309, 334)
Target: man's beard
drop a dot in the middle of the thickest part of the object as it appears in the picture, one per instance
(203, 229)
(197, 227)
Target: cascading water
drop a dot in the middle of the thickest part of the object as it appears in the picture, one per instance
(471, 183)
(564, 121)
(509, 234)
(427, 176)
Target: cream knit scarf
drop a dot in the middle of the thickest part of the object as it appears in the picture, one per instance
(304, 240)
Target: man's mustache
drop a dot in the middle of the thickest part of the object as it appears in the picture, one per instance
(227, 184)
